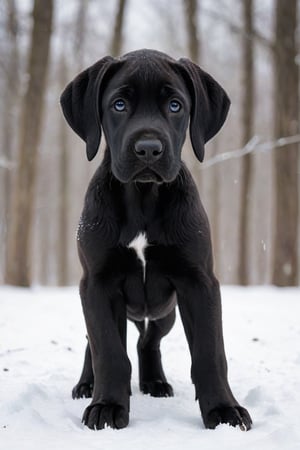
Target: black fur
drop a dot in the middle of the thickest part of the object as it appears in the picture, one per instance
(144, 102)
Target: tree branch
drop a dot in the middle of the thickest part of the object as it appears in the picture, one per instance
(253, 145)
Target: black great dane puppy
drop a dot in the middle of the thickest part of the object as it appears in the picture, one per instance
(143, 193)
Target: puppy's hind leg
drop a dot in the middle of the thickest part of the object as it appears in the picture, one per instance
(151, 374)
(85, 385)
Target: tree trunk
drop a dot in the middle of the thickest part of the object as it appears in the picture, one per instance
(10, 103)
(191, 13)
(80, 33)
(18, 270)
(286, 107)
(246, 176)
(62, 253)
(116, 41)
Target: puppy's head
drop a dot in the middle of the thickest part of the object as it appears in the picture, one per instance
(144, 102)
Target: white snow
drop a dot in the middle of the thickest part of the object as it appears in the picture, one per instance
(41, 353)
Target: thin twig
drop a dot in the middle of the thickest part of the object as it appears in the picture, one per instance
(251, 146)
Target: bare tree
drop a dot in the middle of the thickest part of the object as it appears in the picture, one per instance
(116, 40)
(18, 270)
(286, 107)
(80, 33)
(10, 105)
(191, 14)
(247, 130)
(62, 253)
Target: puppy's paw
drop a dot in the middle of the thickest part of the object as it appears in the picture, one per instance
(97, 416)
(234, 416)
(82, 390)
(157, 388)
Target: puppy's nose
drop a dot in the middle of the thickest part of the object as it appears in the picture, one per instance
(148, 150)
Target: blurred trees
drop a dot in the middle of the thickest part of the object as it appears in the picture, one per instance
(64, 185)
(250, 47)
(19, 231)
(286, 123)
(247, 123)
(191, 14)
(116, 40)
(10, 102)
(80, 32)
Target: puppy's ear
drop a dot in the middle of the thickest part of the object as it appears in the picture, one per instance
(210, 105)
(80, 104)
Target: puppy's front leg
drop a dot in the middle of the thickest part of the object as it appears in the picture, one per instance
(105, 317)
(200, 308)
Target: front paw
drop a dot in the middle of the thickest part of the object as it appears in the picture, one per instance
(234, 416)
(98, 415)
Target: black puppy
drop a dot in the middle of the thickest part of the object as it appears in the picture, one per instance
(143, 193)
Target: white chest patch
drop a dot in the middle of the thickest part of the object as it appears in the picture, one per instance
(139, 243)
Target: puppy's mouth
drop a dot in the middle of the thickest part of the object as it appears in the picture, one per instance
(148, 175)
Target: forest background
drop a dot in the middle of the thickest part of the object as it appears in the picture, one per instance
(249, 181)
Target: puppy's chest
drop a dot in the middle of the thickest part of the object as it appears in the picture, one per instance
(148, 292)
(139, 244)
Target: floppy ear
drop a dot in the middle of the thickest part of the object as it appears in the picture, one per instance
(210, 105)
(80, 104)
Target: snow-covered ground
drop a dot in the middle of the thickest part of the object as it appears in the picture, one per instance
(42, 340)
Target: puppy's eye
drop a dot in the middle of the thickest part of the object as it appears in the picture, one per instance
(119, 105)
(174, 106)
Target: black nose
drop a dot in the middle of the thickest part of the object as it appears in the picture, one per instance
(148, 150)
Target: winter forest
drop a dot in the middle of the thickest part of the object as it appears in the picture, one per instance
(249, 180)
